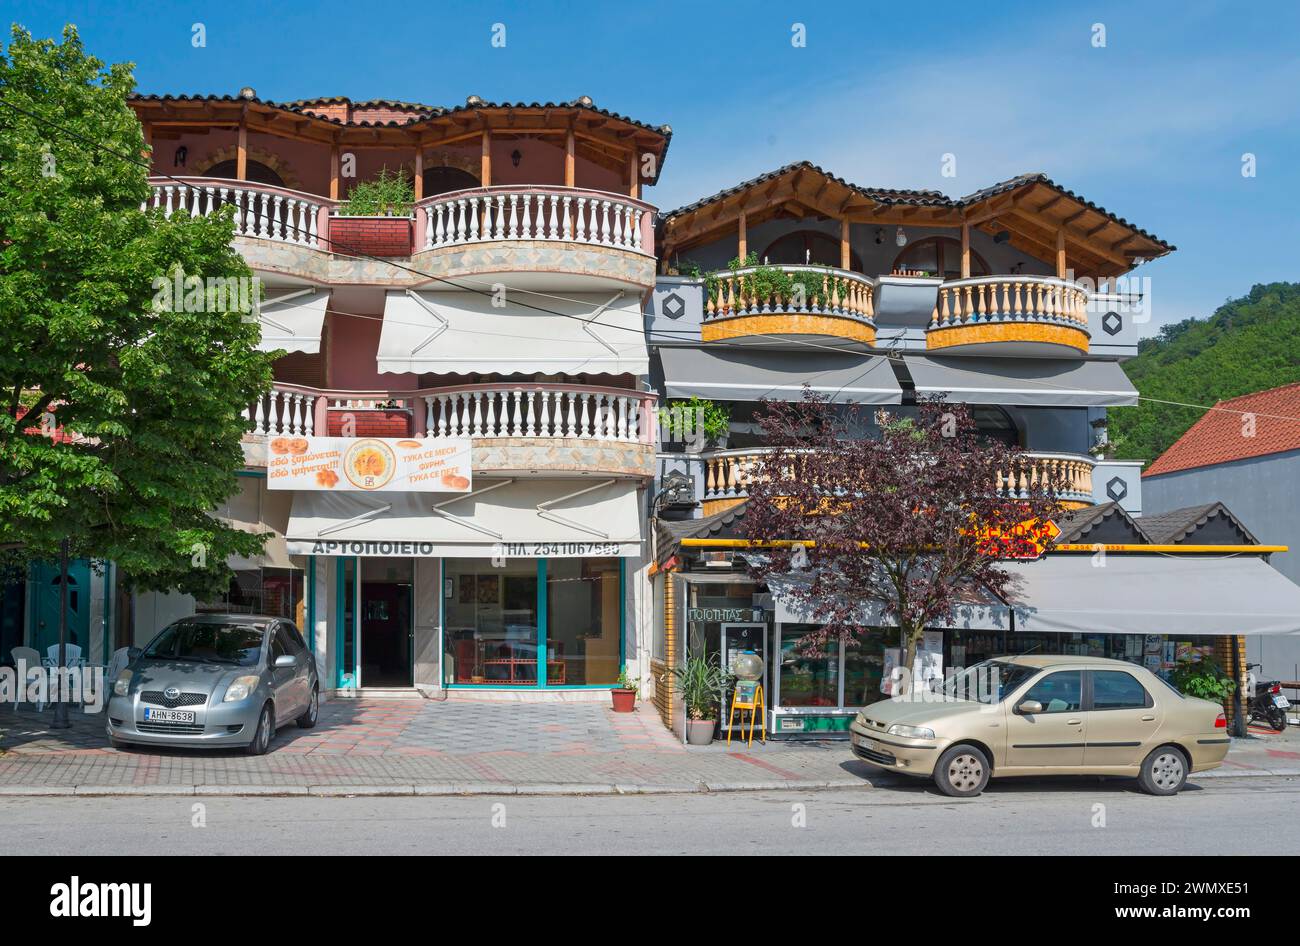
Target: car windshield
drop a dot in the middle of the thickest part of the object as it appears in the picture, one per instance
(987, 682)
(239, 645)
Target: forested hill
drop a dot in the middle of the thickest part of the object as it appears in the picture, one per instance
(1248, 344)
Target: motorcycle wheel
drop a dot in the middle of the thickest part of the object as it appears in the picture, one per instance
(1277, 718)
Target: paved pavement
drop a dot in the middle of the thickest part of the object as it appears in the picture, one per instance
(1016, 817)
(464, 746)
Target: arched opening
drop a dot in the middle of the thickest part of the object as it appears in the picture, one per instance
(937, 256)
(994, 425)
(256, 172)
(809, 246)
(444, 180)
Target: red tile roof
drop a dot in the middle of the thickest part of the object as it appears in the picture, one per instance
(1222, 436)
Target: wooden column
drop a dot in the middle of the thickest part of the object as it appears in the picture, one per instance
(568, 159)
(965, 250)
(1060, 254)
(845, 253)
(743, 243)
(241, 153)
(485, 166)
(419, 172)
(334, 171)
(633, 176)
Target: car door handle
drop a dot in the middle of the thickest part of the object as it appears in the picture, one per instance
(1148, 718)
(1074, 722)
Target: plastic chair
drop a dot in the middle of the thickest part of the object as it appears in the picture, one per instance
(32, 658)
(71, 651)
(116, 664)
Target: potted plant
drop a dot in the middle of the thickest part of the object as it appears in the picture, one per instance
(702, 681)
(376, 217)
(698, 417)
(625, 693)
(1203, 678)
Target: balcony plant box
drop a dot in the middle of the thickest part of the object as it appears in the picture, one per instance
(370, 422)
(371, 236)
(624, 693)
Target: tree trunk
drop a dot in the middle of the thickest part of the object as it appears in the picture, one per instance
(911, 636)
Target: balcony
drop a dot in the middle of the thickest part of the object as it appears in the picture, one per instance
(802, 302)
(534, 233)
(728, 473)
(1009, 315)
(262, 211)
(525, 429)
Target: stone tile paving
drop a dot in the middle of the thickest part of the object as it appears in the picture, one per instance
(463, 745)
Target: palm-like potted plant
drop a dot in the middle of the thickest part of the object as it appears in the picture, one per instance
(702, 681)
(624, 693)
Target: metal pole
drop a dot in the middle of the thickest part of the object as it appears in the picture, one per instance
(60, 720)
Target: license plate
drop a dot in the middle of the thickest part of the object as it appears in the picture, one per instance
(1281, 702)
(866, 743)
(152, 715)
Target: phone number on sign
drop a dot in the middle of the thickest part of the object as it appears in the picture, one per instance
(544, 549)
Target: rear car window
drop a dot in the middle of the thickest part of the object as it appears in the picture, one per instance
(239, 645)
(1115, 689)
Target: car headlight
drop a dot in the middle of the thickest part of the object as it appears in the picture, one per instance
(240, 689)
(122, 684)
(911, 732)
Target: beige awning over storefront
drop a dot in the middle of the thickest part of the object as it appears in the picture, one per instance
(293, 321)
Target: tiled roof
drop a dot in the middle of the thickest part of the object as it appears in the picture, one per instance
(1174, 526)
(1220, 436)
(718, 525)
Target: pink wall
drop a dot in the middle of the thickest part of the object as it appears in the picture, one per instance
(353, 345)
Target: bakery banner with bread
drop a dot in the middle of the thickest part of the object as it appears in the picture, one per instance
(369, 464)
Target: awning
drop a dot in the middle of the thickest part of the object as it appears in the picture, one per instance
(976, 609)
(1152, 594)
(464, 333)
(293, 321)
(1026, 382)
(758, 374)
(514, 518)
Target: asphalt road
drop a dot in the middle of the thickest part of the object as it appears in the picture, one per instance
(1214, 816)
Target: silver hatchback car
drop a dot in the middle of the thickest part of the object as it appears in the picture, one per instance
(216, 681)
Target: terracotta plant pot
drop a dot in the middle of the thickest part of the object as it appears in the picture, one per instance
(699, 732)
(624, 700)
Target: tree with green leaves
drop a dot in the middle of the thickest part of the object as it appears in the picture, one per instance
(120, 401)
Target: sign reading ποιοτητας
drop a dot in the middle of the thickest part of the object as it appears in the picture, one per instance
(369, 464)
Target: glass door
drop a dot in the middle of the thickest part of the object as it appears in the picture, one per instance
(491, 622)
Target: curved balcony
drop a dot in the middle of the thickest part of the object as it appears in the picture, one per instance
(799, 302)
(1010, 315)
(524, 428)
(728, 473)
(262, 211)
(534, 233)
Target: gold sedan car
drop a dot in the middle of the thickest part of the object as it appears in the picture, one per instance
(1041, 715)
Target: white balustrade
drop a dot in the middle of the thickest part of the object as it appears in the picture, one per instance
(286, 217)
(1010, 299)
(504, 213)
(493, 411)
(281, 412)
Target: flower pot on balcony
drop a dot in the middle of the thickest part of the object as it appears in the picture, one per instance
(699, 732)
(371, 236)
(369, 422)
(624, 699)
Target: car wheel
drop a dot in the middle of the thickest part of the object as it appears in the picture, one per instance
(265, 729)
(308, 719)
(962, 772)
(1164, 772)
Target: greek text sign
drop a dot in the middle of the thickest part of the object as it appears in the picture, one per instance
(369, 464)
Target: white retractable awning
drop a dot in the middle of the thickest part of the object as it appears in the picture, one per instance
(976, 609)
(293, 321)
(1029, 382)
(464, 333)
(514, 518)
(754, 375)
(1153, 594)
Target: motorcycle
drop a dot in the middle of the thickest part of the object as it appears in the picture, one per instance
(1268, 704)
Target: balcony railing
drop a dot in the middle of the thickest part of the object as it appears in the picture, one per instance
(728, 473)
(555, 215)
(479, 411)
(822, 291)
(261, 210)
(1003, 299)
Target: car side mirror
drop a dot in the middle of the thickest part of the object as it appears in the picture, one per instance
(284, 660)
(1029, 707)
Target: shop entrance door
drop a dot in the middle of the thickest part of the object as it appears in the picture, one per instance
(48, 602)
(386, 622)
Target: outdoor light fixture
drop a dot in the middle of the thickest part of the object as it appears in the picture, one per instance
(181, 154)
(1001, 236)
(248, 92)
(516, 157)
(880, 235)
(900, 237)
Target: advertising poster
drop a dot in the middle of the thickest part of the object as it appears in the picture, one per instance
(369, 464)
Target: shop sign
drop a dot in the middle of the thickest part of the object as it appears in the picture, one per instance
(369, 464)
(725, 614)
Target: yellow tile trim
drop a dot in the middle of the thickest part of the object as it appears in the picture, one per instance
(717, 330)
(985, 332)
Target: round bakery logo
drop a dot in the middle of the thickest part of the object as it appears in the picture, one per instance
(369, 464)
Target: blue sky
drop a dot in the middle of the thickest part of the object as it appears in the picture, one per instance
(1153, 126)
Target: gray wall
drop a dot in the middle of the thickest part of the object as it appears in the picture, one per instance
(1261, 493)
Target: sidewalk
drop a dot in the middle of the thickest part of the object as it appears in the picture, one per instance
(465, 746)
